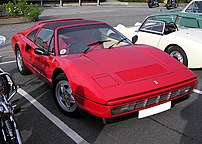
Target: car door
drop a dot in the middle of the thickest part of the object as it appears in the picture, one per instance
(151, 39)
(28, 50)
(44, 63)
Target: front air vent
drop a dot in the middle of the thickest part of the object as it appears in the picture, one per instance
(141, 72)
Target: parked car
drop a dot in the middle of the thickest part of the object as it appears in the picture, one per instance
(192, 12)
(93, 67)
(180, 42)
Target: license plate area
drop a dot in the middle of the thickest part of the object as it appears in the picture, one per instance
(154, 110)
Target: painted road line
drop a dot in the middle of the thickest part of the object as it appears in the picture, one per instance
(197, 91)
(8, 62)
(60, 124)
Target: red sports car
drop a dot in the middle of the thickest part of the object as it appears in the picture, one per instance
(93, 67)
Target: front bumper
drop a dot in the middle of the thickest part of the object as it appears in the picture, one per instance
(135, 103)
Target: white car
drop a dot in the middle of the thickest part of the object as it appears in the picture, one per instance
(182, 43)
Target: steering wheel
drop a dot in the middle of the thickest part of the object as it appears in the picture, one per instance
(173, 24)
(72, 44)
(76, 47)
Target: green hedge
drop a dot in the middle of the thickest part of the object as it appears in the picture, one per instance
(21, 8)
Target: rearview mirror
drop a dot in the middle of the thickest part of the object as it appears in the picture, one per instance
(2, 39)
(41, 51)
(134, 39)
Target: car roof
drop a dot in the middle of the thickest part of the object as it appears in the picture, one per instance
(53, 24)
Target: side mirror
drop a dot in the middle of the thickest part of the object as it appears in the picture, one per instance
(2, 39)
(41, 51)
(134, 39)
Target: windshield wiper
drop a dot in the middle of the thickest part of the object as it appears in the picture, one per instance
(94, 43)
(116, 43)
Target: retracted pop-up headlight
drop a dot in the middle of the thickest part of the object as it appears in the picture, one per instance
(105, 80)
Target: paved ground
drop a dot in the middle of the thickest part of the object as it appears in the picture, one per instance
(40, 121)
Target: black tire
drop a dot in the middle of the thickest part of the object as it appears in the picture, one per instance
(179, 54)
(1, 138)
(20, 64)
(175, 5)
(150, 5)
(168, 7)
(63, 96)
(10, 140)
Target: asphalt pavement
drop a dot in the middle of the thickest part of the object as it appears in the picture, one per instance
(41, 122)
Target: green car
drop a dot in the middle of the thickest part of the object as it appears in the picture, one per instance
(190, 16)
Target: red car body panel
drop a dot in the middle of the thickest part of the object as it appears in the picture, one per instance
(107, 78)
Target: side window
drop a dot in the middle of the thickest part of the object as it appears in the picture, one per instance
(197, 7)
(200, 23)
(51, 46)
(187, 22)
(32, 35)
(190, 8)
(44, 39)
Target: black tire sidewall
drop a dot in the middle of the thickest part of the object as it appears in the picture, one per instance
(181, 51)
(60, 77)
(150, 4)
(24, 70)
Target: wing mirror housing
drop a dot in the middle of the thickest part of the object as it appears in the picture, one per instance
(2, 39)
(41, 51)
(134, 39)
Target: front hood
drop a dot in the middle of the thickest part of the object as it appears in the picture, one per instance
(109, 74)
(189, 33)
(128, 64)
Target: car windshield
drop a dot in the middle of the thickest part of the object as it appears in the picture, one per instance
(153, 26)
(194, 7)
(82, 39)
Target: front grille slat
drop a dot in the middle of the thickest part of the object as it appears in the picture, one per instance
(157, 99)
(139, 104)
(152, 101)
(163, 97)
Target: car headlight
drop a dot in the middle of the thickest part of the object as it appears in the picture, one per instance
(105, 81)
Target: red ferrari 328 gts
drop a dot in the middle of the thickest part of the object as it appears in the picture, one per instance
(93, 67)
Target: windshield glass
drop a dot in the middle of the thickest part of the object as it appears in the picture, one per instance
(195, 7)
(153, 26)
(73, 40)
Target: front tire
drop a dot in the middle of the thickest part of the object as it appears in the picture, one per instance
(150, 5)
(20, 64)
(63, 96)
(12, 137)
(179, 54)
(175, 5)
